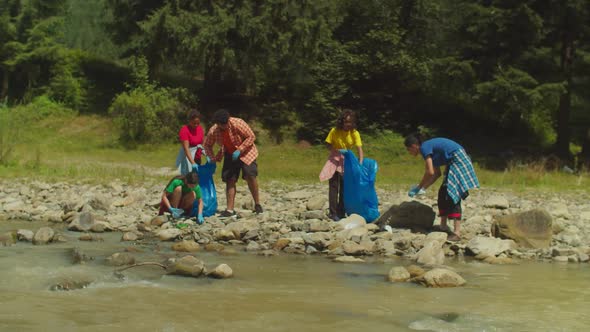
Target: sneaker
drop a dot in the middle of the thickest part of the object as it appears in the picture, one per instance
(228, 214)
(258, 209)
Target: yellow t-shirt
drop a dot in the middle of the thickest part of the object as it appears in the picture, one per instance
(344, 139)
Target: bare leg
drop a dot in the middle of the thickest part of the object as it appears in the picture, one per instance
(230, 193)
(457, 227)
(175, 196)
(253, 186)
(443, 222)
(187, 201)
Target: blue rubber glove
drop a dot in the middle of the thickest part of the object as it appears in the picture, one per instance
(196, 168)
(200, 219)
(235, 155)
(176, 213)
(415, 190)
(343, 151)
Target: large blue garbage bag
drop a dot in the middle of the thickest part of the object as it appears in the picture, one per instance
(360, 196)
(209, 195)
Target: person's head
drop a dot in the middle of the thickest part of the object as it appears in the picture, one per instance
(193, 118)
(346, 120)
(221, 118)
(412, 143)
(191, 179)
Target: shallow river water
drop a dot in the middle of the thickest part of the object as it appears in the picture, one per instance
(282, 293)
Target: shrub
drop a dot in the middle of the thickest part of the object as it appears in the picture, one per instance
(147, 114)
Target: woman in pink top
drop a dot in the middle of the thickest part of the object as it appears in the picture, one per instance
(191, 137)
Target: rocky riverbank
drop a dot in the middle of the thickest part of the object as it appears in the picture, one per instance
(498, 227)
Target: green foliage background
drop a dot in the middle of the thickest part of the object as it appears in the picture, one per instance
(496, 75)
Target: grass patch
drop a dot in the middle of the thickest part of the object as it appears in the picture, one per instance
(85, 148)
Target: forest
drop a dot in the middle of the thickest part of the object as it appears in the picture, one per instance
(503, 76)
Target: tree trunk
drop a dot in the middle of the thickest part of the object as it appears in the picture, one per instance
(563, 112)
(584, 156)
(4, 90)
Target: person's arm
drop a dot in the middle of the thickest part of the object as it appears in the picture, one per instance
(187, 152)
(209, 142)
(165, 200)
(431, 173)
(200, 206)
(361, 155)
(247, 135)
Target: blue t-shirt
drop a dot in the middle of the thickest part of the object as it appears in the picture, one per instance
(439, 149)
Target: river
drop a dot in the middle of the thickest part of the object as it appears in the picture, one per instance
(280, 293)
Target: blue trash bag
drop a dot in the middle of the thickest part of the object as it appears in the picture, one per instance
(208, 193)
(360, 196)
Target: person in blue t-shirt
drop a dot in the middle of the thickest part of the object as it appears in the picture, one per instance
(459, 176)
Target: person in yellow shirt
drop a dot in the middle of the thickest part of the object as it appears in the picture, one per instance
(342, 137)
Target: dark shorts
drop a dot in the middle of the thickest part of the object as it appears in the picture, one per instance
(446, 206)
(231, 169)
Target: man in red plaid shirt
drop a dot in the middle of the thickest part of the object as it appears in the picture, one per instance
(239, 152)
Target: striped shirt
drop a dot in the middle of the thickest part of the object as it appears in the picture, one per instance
(240, 134)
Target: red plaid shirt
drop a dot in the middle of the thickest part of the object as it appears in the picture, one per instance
(240, 135)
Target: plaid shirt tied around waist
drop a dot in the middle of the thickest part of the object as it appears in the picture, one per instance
(240, 134)
(460, 176)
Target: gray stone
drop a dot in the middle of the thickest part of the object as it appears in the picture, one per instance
(496, 202)
(398, 274)
(431, 254)
(168, 234)
(221, 271)
(43, 236)
(25, 235)
(441, 277)
(489, 246)
(120, 259)
(348, 259)
(189, 266)
(316, 203)
(8, 239)
(186, 246)
(413, 215)
(530, 229)
(82, 222)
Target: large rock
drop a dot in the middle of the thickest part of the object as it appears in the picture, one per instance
(398, 274)
(316, 203)
(529, 229)
(432, 252)
(82, 222)
(441, 277)
(221, 271)
(489, 246)
(120, 259)
(25, 235)
(414, 215)
(187, 266)
(186, 246)
(168, 234)
(8, 239)
(43, 235)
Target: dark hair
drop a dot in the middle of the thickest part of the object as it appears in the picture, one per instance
(221, 116)
(190, 178)
(343, 115)
(413, 139)
(193, 114)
